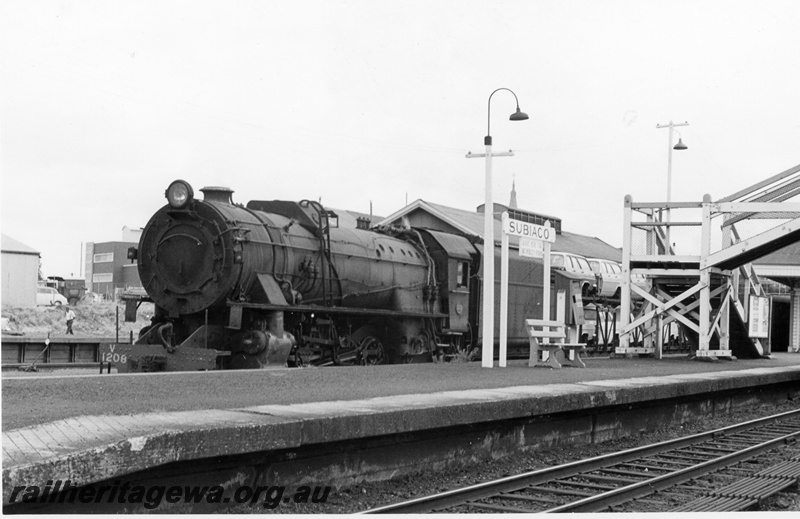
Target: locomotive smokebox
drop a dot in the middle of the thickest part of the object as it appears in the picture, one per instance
(195, 254)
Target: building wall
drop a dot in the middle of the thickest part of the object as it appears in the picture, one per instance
(20, 273)
(88, 266)
(110, 270)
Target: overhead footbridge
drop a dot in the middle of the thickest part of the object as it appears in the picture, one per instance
(698, 257)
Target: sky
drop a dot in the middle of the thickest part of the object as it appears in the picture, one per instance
(368, 105)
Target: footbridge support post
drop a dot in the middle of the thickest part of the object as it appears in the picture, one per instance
(625, 290)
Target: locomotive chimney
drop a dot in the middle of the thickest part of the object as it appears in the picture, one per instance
(217, 194)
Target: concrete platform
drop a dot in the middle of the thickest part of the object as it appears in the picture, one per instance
(90, 428)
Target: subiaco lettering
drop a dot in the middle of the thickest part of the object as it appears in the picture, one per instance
(530, 230)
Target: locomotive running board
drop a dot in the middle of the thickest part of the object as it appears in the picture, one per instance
(334, 310)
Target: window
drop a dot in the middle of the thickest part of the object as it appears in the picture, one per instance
(103, 278)
(582, 265)
(105, 257)
(462, 274)
(556, 260)
(615, 268)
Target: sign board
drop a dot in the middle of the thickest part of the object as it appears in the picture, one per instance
(534, 241)
(531, 248)
(758, 325)
(577, 303)
(529, 230)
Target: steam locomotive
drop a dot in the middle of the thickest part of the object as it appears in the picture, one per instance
(280, 283)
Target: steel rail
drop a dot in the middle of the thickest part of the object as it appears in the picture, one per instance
(647, 487)
(462, 496)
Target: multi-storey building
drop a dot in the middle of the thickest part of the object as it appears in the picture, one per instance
(109, 272)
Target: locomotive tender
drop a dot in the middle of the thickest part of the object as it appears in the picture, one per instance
(279, 283)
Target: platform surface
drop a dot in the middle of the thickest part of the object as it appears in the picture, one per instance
(30, 399)
(95, 427)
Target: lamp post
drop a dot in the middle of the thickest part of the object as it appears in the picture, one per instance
(670, 147)
(487, 324)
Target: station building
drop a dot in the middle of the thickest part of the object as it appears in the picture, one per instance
(783, 268)
(423, 214)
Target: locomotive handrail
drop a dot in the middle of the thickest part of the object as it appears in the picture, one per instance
(180, 234)
(328, 275)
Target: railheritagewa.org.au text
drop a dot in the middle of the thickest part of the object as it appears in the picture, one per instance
(151, 497)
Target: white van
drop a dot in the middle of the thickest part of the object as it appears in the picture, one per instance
(46, 296)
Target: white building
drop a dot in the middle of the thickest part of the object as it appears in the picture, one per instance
(20, 273)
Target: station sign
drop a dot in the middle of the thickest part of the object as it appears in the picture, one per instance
(529, 230)
(531, 248)
(758, 327)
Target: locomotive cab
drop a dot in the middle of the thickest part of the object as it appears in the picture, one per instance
(453, 257)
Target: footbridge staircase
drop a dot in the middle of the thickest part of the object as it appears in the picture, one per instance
(697, 257)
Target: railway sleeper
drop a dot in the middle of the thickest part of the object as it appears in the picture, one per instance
(539, 498)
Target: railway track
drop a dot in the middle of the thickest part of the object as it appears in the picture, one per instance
(664, 476)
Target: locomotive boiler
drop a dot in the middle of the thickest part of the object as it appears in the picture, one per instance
(280, 283)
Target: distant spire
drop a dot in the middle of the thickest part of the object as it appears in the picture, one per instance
(513, 203)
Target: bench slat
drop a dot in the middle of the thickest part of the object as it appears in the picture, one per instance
(553, 333)
(542, 322)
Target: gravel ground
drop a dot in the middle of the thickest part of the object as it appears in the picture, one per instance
(372, 495)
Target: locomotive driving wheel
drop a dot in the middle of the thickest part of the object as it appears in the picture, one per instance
(371, 351)
(372, 344)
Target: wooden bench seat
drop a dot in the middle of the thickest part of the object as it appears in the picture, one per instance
(544, 353)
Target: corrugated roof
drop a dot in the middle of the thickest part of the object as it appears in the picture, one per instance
(587, 246)
(9, 244)
(789, 255)
(472, 223)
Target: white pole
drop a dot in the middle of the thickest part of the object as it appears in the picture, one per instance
(546, 286)
(504, 294)
(669, 167)
(671, 125)
(487, 354)
(668, 248)
(546, 279)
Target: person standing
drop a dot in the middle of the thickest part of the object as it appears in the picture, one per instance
(70, 316)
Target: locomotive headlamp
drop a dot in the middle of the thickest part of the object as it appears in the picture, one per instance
(179, 194)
